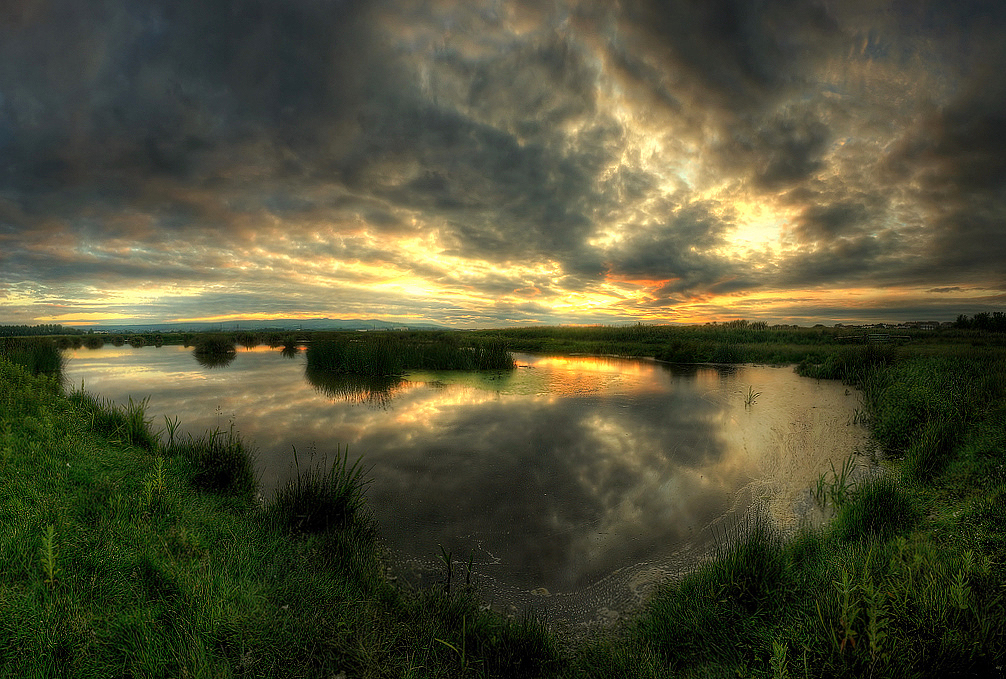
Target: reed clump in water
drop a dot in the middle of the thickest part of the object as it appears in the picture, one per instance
(391, 356)
(214, 351)
(214, 345)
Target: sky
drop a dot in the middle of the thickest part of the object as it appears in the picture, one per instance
(484, 163)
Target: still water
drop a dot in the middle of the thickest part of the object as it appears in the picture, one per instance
(573, 483)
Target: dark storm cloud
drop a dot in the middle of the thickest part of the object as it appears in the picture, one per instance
(862, 260)
(780, 151)
(741, 55)
(677, 252)
(603, 142)
(825, 222)
(126, 90)
(491, 162)
(498, 197)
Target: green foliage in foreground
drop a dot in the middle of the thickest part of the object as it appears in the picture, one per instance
(121, 561)
(39, 355)
(126, 554)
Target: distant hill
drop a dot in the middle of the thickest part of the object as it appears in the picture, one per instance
(272, 324)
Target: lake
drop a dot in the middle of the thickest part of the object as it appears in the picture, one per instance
(574, 484)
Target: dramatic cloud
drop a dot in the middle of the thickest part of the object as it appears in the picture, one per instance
(491, 162)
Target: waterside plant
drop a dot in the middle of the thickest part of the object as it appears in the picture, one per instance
(321, 498)
(39, 355)
(391, 355)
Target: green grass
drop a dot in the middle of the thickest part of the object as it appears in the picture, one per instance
(39, 355)
(126, 424)
(219, 462)
(121, 562)
(318, 500)
(127, 555)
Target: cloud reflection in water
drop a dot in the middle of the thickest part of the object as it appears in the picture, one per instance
(554, 475)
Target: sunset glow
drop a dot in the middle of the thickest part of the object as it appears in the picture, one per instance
(496, 163)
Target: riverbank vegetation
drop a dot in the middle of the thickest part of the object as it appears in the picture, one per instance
(129, 555)
(908, 578)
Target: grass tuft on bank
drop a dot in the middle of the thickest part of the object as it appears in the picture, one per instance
(319, 500)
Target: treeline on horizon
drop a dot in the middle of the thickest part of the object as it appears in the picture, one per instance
(37, 330)
(994, 321)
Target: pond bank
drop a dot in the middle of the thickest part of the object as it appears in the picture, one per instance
(144, 573)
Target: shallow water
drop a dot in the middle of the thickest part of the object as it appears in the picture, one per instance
(573, 483)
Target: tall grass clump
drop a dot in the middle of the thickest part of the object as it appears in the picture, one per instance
(379, 357)
(318, 500)
(221, 463)
(214, 351)
(39, 355)
(852, 365)
(249, 340)
(880, 507)
(127, 423)
(214, 345)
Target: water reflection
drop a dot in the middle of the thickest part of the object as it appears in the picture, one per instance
(554, 475)
(375, 390)
(213, 360)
